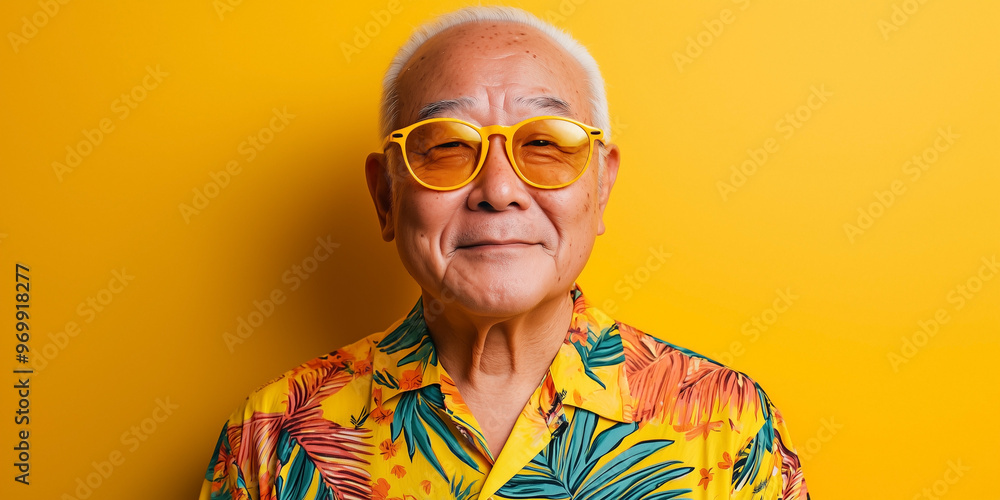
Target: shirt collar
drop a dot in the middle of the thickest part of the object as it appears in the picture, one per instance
(588, 372)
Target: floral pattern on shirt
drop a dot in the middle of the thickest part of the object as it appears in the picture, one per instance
(620, 414)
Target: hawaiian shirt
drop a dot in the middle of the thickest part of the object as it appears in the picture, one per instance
(621, 414)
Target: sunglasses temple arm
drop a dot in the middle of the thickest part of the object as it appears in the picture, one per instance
(386, 142)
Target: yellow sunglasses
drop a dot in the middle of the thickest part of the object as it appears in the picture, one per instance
(547, 152)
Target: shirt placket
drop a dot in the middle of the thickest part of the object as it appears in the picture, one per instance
(466, 425)
(542, 419)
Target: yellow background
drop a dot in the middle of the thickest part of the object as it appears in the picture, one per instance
(865, 426)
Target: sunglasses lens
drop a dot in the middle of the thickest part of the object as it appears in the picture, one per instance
(551, 152)
(548, 152)
(443, 154)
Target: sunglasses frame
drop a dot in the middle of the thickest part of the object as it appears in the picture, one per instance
(507, 131)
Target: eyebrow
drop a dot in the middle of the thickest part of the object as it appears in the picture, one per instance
(553, 104)
(438, 107)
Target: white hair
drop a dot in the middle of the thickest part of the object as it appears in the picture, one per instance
(389, 107)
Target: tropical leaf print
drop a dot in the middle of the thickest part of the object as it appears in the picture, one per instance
(458, 491)
(600, 350)
(791, 469)
(654, 372)
(566, 467)
(253, 443)
(709, 386)
(303, 439)
(417, 412)
(679, 385)
(332, 450)
(358, 420)
(222, 462)
(386, 379)
(462, 415)
(751, 456)
(669, 423)
(411, 334)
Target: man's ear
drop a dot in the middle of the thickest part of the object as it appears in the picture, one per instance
(611, 161)
(378, 187)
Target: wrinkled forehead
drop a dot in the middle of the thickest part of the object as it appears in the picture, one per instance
(476, 67)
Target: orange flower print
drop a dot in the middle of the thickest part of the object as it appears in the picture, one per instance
(381, 415)
(340, 357)
(387, 449)
(380, 489)
(693, 431)
(706, 476)
(345, 421)
(738, 427)
(411, 379)
(362, 367)
(453, 399)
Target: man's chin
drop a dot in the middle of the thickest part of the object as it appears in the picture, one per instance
(499, 297)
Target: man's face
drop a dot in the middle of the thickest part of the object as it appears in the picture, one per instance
(496, 246)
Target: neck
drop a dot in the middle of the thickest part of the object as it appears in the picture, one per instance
(482, 352)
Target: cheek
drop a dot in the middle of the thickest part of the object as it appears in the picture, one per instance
(421, 219)
(580, 207)
(574, 217)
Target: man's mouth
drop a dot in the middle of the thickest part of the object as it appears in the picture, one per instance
(497, 243)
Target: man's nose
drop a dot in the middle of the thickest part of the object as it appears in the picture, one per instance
(497, 186)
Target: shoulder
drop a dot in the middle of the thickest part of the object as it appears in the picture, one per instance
(698, 396)
(249, 446)
(325, 375)
(668, 382)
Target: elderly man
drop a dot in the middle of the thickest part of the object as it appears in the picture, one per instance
(503, 381)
